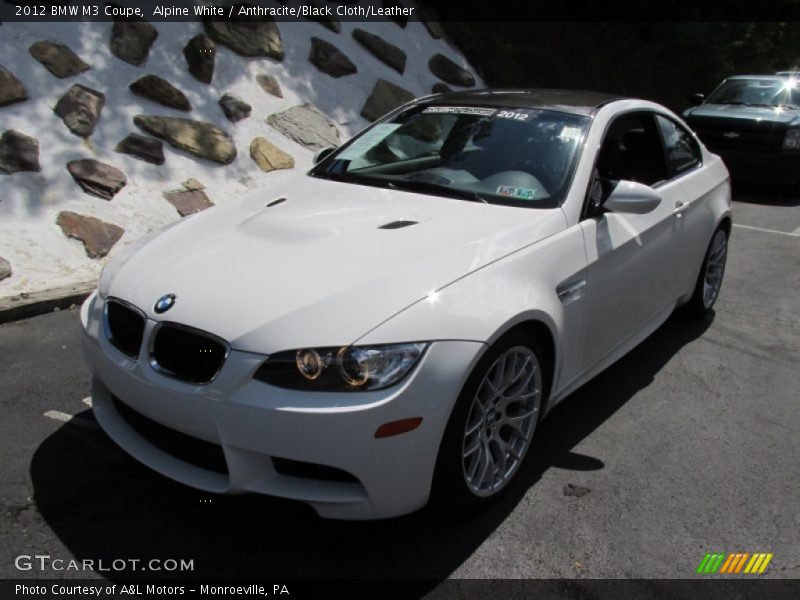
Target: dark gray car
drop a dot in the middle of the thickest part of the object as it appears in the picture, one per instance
(753, 122)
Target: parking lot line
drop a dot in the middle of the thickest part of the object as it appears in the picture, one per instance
(57, 415)
(795, 233)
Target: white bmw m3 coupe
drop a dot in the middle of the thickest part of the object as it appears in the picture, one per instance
(391, 326)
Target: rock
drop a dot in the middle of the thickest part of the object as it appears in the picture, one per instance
(202, 139)
(328, 21)
(11, 90)
(5, 269)
(441, 88)
(575, 490)
(382, 50)
(384, 98)
(306, 125)
(188, 201)
(258, 36)
(234, 107)
(59, 59)
(162, 91)
(18, 152)
(97, 236)
(269, 84)
(447, 70)
(401, 20)
(268, 156)
(131, 41)
(96, 178)
(434, 28)
(80, 109)
(428, 18)
(200, 53)
(193, 184)
(145, 148)
(329, 59)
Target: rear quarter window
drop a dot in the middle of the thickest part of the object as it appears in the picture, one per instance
(682, 151)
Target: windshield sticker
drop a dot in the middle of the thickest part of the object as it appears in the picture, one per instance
(569, 134)
(462, 110)
(368, 141)
(520, 193)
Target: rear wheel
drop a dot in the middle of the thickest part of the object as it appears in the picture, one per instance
(492, 425)
(709, 282)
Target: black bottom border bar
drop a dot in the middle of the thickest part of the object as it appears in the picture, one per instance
(750, 588)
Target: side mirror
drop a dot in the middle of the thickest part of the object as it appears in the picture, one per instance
(322, 154)
(632, 197)
(696, 99)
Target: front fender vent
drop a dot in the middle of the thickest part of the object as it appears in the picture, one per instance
(398, 224)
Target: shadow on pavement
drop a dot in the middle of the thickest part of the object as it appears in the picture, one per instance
(104, 505)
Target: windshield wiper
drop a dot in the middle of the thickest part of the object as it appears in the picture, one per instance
(437, 188)
(406, 185)
(736, 103)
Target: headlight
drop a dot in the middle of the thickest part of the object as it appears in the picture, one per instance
(791, 141)
(348, 368)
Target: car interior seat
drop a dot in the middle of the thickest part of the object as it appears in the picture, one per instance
(642, 157)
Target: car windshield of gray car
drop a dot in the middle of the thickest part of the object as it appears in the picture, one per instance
(777, 93)
(498, 155)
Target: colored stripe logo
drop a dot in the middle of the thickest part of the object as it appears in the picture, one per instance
(734, 563)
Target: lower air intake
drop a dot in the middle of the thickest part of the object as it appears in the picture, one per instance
(184, 447)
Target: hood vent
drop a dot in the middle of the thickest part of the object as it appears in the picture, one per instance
(398, 224)
(275, 202)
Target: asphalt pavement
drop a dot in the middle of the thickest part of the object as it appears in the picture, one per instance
(687, 445)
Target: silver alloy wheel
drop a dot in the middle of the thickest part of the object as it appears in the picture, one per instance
(501, 421)
(715, 268)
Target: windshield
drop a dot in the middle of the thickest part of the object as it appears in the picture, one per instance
(515, 156)
(758, 92)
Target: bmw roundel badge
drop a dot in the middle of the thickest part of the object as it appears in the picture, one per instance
(164, 303)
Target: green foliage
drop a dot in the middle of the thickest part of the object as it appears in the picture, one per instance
(665, 62)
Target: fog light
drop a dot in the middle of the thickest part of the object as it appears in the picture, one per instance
(309, 363)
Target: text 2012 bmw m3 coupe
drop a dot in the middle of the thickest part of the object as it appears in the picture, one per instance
(393, 325)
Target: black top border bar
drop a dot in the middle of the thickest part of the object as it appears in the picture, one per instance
(479, 11)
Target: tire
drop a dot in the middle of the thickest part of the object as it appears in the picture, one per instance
(709, 281)
(484, 419)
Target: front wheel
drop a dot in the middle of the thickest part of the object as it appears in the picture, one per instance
(709, 282)
(492, 425)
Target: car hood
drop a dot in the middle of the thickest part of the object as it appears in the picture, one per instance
(317, 269)
(734, 112)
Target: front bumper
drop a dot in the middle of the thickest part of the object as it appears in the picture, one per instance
(253, 422)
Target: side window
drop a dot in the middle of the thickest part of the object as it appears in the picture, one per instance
(632, 151)
(682, 151)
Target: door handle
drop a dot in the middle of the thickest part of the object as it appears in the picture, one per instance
(680, 206)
